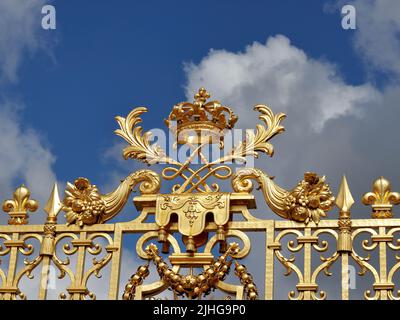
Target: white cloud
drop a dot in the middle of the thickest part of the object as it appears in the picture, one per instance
(281, 75)
(332, 127)
(377, 34)
(24, 157)
(19, 27)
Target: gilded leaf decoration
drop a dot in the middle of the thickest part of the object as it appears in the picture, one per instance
(140, 147)
(258, 141)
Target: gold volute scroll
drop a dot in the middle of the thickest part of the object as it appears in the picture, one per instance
(381, 199)
(19, 206)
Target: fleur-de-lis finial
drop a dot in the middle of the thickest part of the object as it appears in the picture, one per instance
(19, 206)
(381, 199)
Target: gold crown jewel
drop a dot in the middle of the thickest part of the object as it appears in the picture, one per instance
(201, 121)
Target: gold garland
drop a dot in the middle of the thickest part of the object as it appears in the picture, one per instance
(193, 286)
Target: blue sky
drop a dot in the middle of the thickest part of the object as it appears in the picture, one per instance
(61, 89)
(106, 58)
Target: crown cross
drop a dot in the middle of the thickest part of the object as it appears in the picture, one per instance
(201, 96)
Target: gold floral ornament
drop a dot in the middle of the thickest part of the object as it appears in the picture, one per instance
(381, 199)
(308, 201)
(19, 206)
(84, 205)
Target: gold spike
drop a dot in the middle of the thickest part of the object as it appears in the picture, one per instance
(53, 205)
(344, 199)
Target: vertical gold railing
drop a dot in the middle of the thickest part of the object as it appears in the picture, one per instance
(116, 264)
(383, 286)
(344, 201)
(9, 290)
(269, 260)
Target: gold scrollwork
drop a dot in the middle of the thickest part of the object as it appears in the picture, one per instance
(288, 263)
(141, 252)
(140, 147)
(307, 281)
(10, 285)
(62, 265)
(363, 261)
(78, 280)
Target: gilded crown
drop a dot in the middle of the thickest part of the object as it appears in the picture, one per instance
(200, 121)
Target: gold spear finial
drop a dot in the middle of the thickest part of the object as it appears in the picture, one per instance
(52, 208)
(53, 205)
(344, 199)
